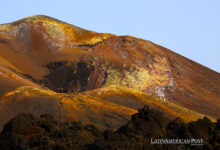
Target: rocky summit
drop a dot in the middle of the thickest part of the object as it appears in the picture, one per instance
(51, 67)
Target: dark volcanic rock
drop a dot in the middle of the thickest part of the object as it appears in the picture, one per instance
(74, 77)
(148, 122)
(25, 132)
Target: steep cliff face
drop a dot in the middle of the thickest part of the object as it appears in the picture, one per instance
(43, 52)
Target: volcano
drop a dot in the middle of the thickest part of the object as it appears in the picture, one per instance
(49, 66)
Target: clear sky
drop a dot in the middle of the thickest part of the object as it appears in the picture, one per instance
(188, 27)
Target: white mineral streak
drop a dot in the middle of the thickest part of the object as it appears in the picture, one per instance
(159, 90)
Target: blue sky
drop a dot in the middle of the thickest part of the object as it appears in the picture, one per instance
(188, 27)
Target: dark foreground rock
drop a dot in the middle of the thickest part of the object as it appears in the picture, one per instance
(26, 132)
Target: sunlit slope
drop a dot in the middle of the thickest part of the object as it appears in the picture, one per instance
(107, 108)
(36, 101)
(135, 99)
(9, 79)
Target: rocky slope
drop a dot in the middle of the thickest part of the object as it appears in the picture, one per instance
(48, 66)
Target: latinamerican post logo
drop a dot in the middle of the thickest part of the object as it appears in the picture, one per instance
(191, 141)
